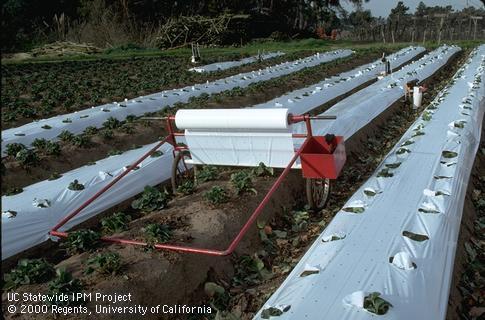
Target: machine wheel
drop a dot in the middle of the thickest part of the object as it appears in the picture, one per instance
(317, 192)
(180, 170)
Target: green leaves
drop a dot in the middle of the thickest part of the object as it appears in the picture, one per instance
(402, 151)
(29, 272)
(262, 170)
(81, 241)
(75, 186)
(385, 173)
(66, 136)
(207, 173)
(13, 148)
(242, 182)
(115, 223)
(54, 176)
(273, 312)
(216, 195)
(219, 298)
(415, 236)
(449, 154)
(47, 147)
(299, 220)
(250, 270)
(426, 116)
(151, 199)
(393, 165)
(64, 283)
(156, 154)
(112, 123)
(354, 209)
(157, 233)
(104, 263)
(187, 187)
(375, 304)
(27, 158)
(14, 191)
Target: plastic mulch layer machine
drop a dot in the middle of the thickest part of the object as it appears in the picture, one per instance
(246, 138)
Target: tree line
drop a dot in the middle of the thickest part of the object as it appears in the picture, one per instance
(172, 23)
(427, 23)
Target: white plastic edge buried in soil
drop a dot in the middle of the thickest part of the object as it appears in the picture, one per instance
(420, 188)
(306, 99)
(231, 64)
(76, 122)
(31, 224)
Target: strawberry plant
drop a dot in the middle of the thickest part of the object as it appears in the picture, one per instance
(127, 129)
(107, 134)
(13, 191)
(262, 171)
(75, 186)
(207, 173)
(64, 283)
(54, 176)
(114, 153)
(13, 148)
(112, 123)
(299, 220)
(157, 233)
(354, 209)
(47, 147)
(216, 195)
(385, 173)
(375, 304)
(81, 141)
(81, 241)
(273, 312)
(242, 182)
(27, 158)
(66, 136)
(90, 130)
(29, 272)
(187, 187)
(52, 148)
(116, 223)
(219, 298)
(104, 263)
(250, 270)
(449, 154)
(151, 199)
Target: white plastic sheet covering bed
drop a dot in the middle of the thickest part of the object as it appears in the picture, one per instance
(430, 168)
(231, 64)
(25, 224)
(76, 122)
(30, 221)
(306, 99)
(357, 110)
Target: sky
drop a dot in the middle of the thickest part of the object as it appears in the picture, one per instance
(383, 7)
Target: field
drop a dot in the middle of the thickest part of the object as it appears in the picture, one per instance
(210, 211)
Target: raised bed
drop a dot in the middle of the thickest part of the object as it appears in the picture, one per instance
(396, 229)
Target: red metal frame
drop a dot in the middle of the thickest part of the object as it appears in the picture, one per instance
(171, 139)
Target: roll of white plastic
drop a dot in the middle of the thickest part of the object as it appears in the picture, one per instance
(417, 97)
(251, 119)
